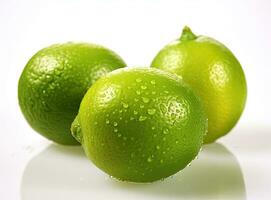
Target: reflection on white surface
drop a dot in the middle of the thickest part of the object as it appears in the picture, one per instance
(64, 173)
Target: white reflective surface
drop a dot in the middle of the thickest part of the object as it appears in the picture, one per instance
(64, 173)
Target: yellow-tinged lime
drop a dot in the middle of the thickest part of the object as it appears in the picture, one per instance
(213, 72)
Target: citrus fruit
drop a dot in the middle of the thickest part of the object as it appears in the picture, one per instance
(140, 124)
(213, 72)
(54, 82)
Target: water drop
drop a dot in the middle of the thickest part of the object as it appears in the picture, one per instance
(161, 161)
(145, 99)
(136, 99)
(164, 139)
(125, 105)
(141, 106)
(153, 82)
(138, 92)
(132, 118)
(149, 159)
(153, 92)
(157, 147)
(135, 112)
(166, 91)
(142, 118)
(115, 130)
(115, 124)
(143, 87)
(165, 131)
(138, 80)
(119, 135)
(177, 141)
(153, 127)
(151, 111)
(125, 138)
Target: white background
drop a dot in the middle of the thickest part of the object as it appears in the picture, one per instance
(136, 30)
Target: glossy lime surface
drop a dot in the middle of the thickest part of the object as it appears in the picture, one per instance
(140, 124)
(54, 82)
(215, 75)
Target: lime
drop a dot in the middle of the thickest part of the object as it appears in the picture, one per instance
(213, 72)
(140, 124)
(54, 82)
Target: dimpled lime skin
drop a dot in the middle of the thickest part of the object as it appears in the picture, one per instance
(54, 82)
(140, 124)
(213, 72)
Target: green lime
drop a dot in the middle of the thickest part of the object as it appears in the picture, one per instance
(54, 82)
(213, 72)
(140, 124)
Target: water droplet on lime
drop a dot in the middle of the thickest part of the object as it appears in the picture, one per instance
(142, 118)
(151, 111)
(125, 105)
(145, 99)
(165, 131)
(143, 87)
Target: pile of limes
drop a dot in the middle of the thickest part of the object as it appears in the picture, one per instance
(136, 124)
